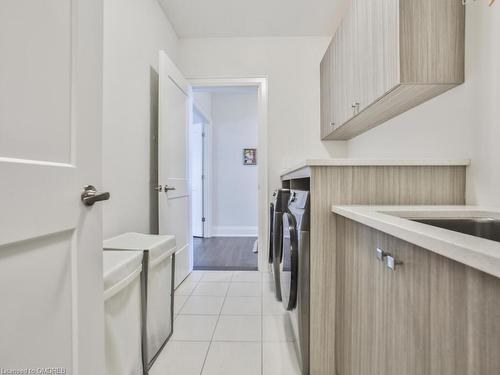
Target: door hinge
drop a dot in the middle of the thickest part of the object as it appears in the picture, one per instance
(202, 176)
(203, 219)
(203, 134)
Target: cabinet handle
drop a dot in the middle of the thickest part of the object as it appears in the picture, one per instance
(355, 108)
(380, 254)
(391, 262)
(332, 124)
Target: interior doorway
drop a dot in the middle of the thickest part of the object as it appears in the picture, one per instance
(224, 166)
(198, 173)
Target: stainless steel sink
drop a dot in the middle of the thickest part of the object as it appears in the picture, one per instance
(488, 228)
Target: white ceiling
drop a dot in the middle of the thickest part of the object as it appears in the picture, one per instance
(252, 18)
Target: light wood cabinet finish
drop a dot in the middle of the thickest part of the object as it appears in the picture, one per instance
(350, 65)
(378, 185)
(431, 316)
(465, 319)
(393, 55)
(376, 307)
(338, 72)
(395, 102)
(326, 94)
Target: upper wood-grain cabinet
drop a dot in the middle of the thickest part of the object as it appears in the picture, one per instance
(386, 57)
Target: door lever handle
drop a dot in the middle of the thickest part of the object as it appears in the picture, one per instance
(168, 188)
(90, 195)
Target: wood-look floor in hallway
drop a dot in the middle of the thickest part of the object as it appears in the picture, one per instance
(225, 253)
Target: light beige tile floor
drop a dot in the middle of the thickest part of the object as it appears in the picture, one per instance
(202, 305)
(242, 306)
(238, 328)
(228, 323)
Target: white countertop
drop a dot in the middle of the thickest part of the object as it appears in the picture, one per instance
(372, 162)
(475, 252)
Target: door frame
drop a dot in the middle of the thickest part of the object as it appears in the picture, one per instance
(204, 170)
(261, 83)
(207, 168)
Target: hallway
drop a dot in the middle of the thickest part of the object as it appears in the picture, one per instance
(228, 323)
(225, 254)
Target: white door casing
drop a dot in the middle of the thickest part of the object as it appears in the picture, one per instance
(196, 164)
(264, 192)
(174, 210)
(51, 311)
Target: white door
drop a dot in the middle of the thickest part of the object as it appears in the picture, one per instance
(51, 312)
(174, 202)
(196, 162)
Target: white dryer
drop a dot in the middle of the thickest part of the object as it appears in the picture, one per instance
(277, 209)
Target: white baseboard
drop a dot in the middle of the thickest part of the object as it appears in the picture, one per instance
(234, 231)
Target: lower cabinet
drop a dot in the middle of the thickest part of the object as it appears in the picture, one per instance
(427, 316)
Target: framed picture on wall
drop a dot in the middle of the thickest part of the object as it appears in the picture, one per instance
(249, 156)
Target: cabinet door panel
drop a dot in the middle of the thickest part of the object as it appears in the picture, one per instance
(378, 48)
(361, 302)
(338, 81)
(406, 314)
(465, 320)
(349, 63)
(366, 40)
(483, 323)
(326, 92)
(382, 315)
(448, 317)
(388, 57)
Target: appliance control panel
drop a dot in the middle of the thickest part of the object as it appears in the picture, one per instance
(299, 199)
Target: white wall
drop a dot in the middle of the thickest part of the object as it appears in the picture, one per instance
(234, 185)
(134, 32)
(463, 123)
(203, 101)
(292, 68)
